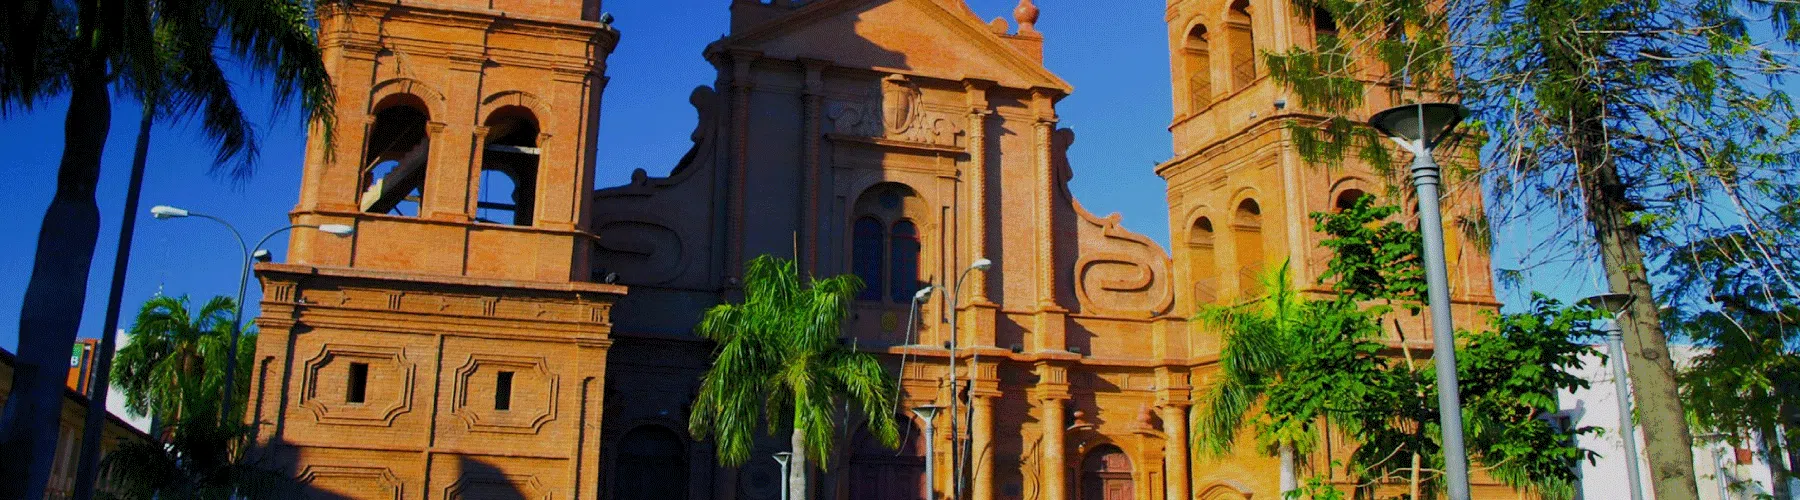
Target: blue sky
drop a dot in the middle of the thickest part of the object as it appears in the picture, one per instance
(1114, 53)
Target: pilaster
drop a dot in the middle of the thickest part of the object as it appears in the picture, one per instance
(1051, 393)
(814, 96)
(741, 86)
(976, 90)
(1043, 106)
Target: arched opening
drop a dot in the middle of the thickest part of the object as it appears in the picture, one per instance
(1203, 261)
(1106, 475)
(886, 244)
(867, 256)
(1247, 223)
(1242, 44)
(1347, 199)
(880, 473)
(652, 465)
(1324, 26)
(398, 151)
(1197, 65)
(509, 167)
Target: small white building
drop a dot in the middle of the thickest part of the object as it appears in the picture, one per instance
(1721, 471)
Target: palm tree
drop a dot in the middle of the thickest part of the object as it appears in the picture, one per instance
(173, 368)
(202, 459)
(779, 362)
(1260, 337)
(83, 47)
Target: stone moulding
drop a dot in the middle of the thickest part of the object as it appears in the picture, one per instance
(514, 421)
(365, 414)
(390, 485)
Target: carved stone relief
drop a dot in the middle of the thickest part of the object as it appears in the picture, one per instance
(900, 114)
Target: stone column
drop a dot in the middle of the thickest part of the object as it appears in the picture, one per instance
(1175, 453)
(1045, 149)
(741, 85)
(981, 484)
(1055, 486)
(809, 199)
(978, 199)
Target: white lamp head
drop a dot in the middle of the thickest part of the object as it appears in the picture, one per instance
(166, 212)
(923, 294)
(982, 264)
(337, 229)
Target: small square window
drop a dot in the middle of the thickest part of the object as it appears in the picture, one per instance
(356, 389)
(503, 390)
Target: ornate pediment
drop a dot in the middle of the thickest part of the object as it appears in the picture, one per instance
(912, 37)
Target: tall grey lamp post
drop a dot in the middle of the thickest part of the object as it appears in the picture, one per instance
(1613, 304)
(237, 318)
(1418, 128)
(980, 264)
(928, 413)
(782, 458)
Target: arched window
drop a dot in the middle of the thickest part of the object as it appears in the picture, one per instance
(652, 465)
(903, 261)
(1202, 261)
(866, 256)
(1347, 198)
(1324, 26)
(509, 167)
(398, 151)
(1242, 44)
(886, 243)
(1198, 67)
(1247, 223)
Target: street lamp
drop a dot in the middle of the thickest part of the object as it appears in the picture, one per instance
(1613, 304)
(960, 461)
(928, 413)
(237, 318)
(1418, 128)
(782, 458)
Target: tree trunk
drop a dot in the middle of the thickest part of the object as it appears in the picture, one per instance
(1289, 481)
(1668, 444)
(798, 469)
(88, 467)
(51, 311)
(1778, 469)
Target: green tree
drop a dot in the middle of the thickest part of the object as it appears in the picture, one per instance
(1746, 382)
(174, 367)
(779, 364)
(203, 459)
(1630, 121)
(1262, 341)
(81, 48)
(1510, 372)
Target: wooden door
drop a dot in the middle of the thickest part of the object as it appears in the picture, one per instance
(652, 465)
(1106, 475)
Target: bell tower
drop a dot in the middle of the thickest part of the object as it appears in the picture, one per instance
(453, 346)
(464, 138)
(1239, 191)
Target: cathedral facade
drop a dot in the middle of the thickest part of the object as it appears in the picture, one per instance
(496, 327)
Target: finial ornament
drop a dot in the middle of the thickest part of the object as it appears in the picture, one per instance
(1027, 16)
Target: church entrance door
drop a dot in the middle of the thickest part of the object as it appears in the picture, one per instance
(1106, 475)
(652, 465)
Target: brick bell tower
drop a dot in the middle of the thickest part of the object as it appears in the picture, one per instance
(454, 344)
(1239, 192)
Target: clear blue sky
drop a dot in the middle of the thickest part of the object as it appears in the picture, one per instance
(1114, 53)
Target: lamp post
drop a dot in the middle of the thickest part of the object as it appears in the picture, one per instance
(1613, 304)
(928, 413)
(959, 461)
(782, 458)
(1418, 128)
(237, 317)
